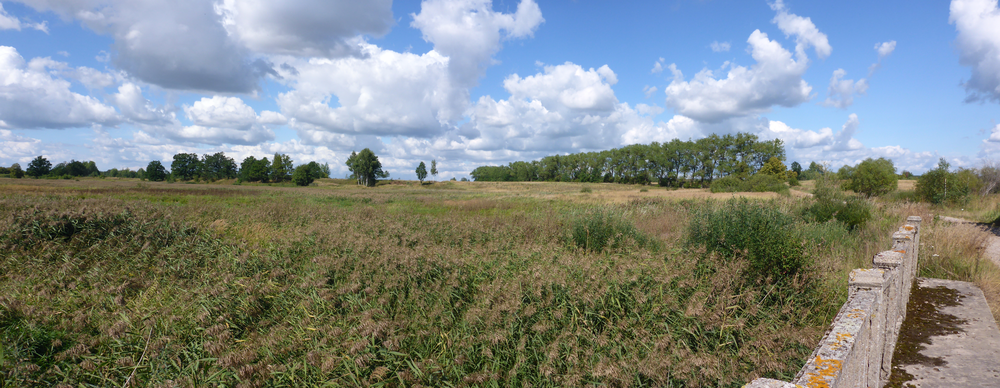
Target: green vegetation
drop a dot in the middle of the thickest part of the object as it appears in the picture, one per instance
(421, 172)
(761, 232)
(872, 177)
(674, 164)
(365, 167)
(474, 284)
(940, 185)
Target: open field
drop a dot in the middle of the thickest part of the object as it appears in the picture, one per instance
(108, 281)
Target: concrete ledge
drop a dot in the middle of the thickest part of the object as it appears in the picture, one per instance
(857, 350)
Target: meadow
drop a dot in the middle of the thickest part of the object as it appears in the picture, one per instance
(107, 282)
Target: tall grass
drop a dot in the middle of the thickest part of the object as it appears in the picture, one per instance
(160, 285)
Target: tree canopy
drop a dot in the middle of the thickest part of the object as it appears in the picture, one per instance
(421, 172)
(365, 167)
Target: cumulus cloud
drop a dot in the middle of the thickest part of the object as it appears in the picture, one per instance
(219, 111)
(776, 79)
(842, 91)
(383, 93)
(32, 98)
(137, 109)
(9, 22)
(885, 48)
(322, 28)
(177, 45)
(802, 28)
(657, 67)
(17, 149)
(719, 47)
(978, 43)
(469, 33)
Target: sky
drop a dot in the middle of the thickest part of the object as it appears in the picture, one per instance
(478, 82)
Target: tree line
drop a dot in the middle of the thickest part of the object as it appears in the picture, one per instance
(676, 163)
(185, 167)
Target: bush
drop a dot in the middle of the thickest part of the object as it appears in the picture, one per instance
(872, 177)
(756, 183)
(303, 175)
(760, 231)
(586, 189)
(855, 213)
(939, 185)
(603, 229)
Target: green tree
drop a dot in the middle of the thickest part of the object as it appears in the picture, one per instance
(16, 172)
(940, 185)
(155, 171)
(797, 168)
(217, 166)
(304, 174)
(421, 172)
(281, 168)
(872, 177)
(434, 168)
(38, 167)
(254, 170)
(775, 168)
(324, 169)
(185, 166)
(365, 167)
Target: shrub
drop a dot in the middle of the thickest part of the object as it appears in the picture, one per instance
(602, 229)
(756, 183)
(939, 185)
(760, 231)
(586, 189)
(872, 177)
(855, 213)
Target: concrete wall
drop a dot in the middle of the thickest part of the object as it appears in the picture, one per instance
(857, 350)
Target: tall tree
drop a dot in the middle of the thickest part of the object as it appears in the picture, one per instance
(217, 166)
(155, 171)
(434, 168)
(281, 168)
(39, 166)
(16, 172)
(254, 170)
(421, 172)
(185, 166)
(365, 167)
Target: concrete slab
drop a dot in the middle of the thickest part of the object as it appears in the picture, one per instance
(964, 341)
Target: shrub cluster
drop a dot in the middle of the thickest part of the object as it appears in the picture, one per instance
(604, 229)
(755, 183)
(757, 230)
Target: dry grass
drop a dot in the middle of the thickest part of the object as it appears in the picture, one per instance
(453, 283)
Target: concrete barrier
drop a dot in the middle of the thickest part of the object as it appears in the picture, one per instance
(857, 350)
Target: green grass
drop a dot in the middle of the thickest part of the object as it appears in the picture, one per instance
(208, 285)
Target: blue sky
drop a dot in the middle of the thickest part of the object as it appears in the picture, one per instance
(474, 82)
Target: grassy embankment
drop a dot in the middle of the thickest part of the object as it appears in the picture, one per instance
(451, 284)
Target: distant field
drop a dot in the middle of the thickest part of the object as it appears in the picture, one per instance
(105, 281)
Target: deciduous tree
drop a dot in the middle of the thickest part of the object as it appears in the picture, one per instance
(39, 166)
(155, 171)
(421, 172)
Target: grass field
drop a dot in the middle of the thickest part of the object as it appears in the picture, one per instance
(119, 282)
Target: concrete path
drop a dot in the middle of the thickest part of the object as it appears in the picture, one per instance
(949, 338)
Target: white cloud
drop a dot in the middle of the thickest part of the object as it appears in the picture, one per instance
(384, 93)
(776, 79)
(798, 138)
(805, 32)
(469, 32)
(31, 98)
(177, 45)
(885, 48)
(657, 67)
(326, 28)
(219, 111)
(272, 118)
(842, 91)
(9, 22)
(719, 47)
(92, 78)
(17, 149)
(978, 42)
(649, 91)
(137, 109)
